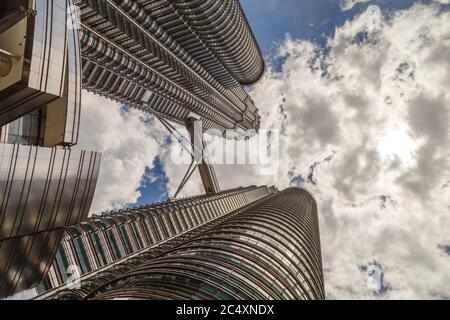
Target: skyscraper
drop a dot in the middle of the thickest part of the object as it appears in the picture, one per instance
(247, 243)
(45, 186)
(173, 58)
(178, 60)
(102, 241)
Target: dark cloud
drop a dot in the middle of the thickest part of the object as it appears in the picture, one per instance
(429, 118)
(445, 248)
(317, 119)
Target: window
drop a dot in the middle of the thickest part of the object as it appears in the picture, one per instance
(27, 129)
(113, 243)
(99, 248)
(61, 262)
(126, 239)
(81, 255)
(137, 235)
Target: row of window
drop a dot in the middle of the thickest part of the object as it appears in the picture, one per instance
(109, 238)
(224, 28)
(124, 79)
(108, 22)
(241, 258)
(165, 23)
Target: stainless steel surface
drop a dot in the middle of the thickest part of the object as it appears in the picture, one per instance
(6, 61)
(221, 25)
(49, 67)
(5, 65)
(9, 54)
(268, 251)
(206, 169)
(104, 245)
(157, 57)
(250, 243)
(42, 190)
(73, 85)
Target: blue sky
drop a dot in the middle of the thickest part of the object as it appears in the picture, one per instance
(271, 20)
(154, 186)
(303, 19)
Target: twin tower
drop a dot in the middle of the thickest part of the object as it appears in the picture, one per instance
(183, 61)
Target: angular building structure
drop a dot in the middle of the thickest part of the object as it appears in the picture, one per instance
(41, 68)
(177, 59)
(102, 241)
(246, 243)
(45, 186)
(42, 191)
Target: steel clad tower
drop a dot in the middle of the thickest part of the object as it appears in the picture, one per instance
(175, 58)
(247, 243)
(45, 185)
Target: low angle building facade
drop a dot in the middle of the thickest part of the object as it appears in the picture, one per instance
(247, 243)
(45, 186)
(187, 63)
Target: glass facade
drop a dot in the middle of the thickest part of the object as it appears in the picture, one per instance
(139, 231)
(61, 263)
(114, 245)
(27, 130)
(263, 245)
(98, 249)
(269, 250)
(80, 251)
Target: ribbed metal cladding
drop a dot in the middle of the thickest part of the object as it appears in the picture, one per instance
(268, 251)
(42, 191)
(104, 247)
(223, 27)
(49, 67)
(173, 58)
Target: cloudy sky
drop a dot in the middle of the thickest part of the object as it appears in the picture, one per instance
(363, 111)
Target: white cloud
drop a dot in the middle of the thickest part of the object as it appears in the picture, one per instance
(129, 144)
(175, 172)
(349, 4)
